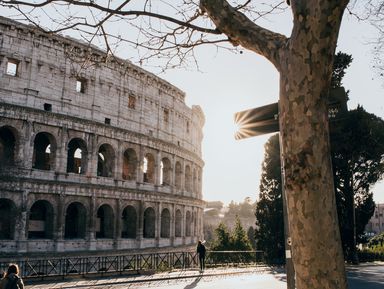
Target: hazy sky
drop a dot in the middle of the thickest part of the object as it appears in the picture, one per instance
(235, 82)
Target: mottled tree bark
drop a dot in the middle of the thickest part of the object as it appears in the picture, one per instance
(305, 64)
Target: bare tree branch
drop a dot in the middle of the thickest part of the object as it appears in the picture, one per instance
(242, 31)
(158, 28)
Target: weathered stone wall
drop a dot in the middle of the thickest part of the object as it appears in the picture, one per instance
(93, 155)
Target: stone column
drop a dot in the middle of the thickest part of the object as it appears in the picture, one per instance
(92, 222)
(173, 175)
(93, 157)
(172, 229)
(61, 153)
(140, 227)
(182, 185)
(60, 224)
(118, 224)
(140, 162)
(26, 146)
(118, 175)
(21, 229)
(184, 224)
(157, 168)
(157, 224)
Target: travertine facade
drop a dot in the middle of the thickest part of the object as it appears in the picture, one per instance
(376, 223)
(94, 154)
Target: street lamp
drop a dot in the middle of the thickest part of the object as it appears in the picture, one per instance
(264, 120)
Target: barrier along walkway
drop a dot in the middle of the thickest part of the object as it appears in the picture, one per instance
(54, 268)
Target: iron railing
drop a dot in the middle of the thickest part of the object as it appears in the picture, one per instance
(130, 263)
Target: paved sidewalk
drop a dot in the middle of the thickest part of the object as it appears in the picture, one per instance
(107, 282)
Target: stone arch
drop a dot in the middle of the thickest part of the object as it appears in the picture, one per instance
(165, 224)
(77, 156)
(41, 220)
(188, 178)
(7, 146)
(129, 222)
(105, 222)
(188, 224)
(178, 175)
(149, 169)
(105, 161)
(166, 170)
(129, 165)
(149, 227)
(8, 216)
(44, 151)
(75, 221)
(178, 223)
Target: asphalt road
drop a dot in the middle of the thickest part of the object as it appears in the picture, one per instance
(366, 276)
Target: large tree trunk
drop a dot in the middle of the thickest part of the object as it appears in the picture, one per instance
(305, 74)
(316, 245)
(305, 64)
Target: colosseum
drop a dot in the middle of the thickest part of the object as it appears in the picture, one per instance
(96, 154)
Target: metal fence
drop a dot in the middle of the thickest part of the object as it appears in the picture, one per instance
(130, 263)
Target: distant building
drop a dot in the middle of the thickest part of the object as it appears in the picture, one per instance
(376, 223)
(215, 212)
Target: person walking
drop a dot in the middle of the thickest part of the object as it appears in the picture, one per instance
(11, 279)
(201, 252)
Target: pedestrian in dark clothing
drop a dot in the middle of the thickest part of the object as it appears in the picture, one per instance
(201, 252)
(11, 278)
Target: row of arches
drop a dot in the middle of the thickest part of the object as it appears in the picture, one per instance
(148, 168)
(42, 219)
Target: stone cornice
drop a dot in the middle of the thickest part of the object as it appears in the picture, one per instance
(39, 186)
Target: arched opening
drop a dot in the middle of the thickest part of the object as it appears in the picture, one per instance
(178, 223)
(129, 219)
(165, 172)
(165, 224)
(188, 224)
(105, 222)
(77, 156)
(149, 169)
(188, 179)
(75, 221)
(129, 165)
(106, 160)
(44, 149)
(179, 173)
(40, 224)
(7, 147)
(7, 219)
(149, 227)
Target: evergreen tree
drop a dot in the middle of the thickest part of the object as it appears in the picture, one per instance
(239, 238)
(357, 157)
(227, 240)
(222, 241)
(251, 237)
(357, 149)
(269, 231)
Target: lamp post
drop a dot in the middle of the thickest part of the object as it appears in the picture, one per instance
(263, 120)
(259, 121)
